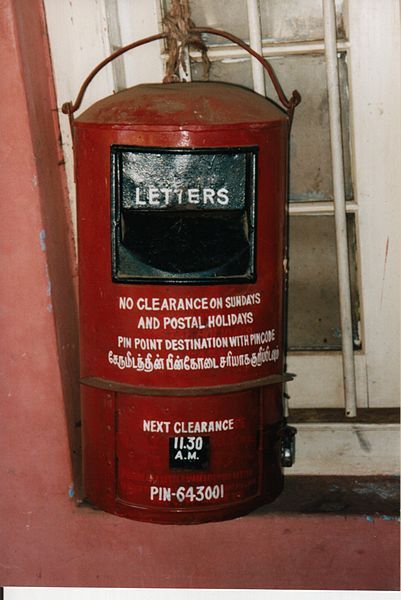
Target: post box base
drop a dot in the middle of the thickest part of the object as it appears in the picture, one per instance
(182, 460)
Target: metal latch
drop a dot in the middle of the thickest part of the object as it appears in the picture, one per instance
(288, 446)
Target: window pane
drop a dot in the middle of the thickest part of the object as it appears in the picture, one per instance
(289, 20)
(313, 297)
(293, 20)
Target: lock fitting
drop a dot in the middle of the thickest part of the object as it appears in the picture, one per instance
(288, 445)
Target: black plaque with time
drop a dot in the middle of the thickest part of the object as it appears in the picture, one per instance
(190, 453)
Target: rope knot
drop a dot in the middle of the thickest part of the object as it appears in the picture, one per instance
(178, 26)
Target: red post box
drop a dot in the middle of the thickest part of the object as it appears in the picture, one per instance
(181, 194)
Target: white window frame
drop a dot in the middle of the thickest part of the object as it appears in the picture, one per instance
(373, 39)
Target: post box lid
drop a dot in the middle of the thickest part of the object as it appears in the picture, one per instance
(192, 105)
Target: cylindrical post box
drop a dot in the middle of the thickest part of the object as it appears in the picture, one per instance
(181, 193)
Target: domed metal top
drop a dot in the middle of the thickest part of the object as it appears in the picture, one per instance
(192, 105)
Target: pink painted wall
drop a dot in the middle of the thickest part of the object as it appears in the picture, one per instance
(45, 538)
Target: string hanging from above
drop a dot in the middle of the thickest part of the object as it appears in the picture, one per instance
(180, 35)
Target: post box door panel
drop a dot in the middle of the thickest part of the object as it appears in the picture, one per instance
(176, 453)
(202, 457)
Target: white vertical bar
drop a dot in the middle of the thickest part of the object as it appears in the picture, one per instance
(339, 206)
(78, 41)
(114, 34)
(255, 41)
(140, 19)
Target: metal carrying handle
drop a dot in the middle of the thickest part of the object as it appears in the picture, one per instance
(69, 108)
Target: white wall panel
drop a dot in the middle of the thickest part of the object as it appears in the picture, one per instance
(344, 449)
(375, 71)
(79, 37)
